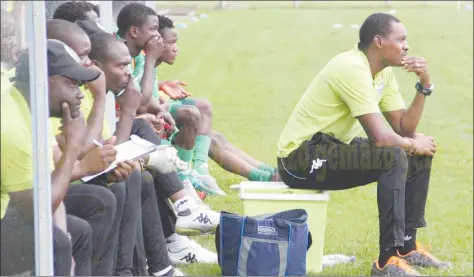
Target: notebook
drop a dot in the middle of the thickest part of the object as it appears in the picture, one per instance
(133, 149)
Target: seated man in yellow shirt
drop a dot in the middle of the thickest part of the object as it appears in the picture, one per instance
(17, 232)
(118, 239)
(10, 49)
(319, 147)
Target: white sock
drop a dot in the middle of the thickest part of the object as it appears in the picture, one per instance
(185, 203)
(163, 272)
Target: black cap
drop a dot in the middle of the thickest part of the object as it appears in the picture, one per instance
(90, 26)
(62, 60)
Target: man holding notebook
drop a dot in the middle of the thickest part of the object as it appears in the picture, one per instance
(17, 236)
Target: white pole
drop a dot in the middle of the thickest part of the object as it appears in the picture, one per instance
(459, 6)
(106, 16)
(296, 4)
(107, 21)
(222, 4)
(36, 29)
(151, 4)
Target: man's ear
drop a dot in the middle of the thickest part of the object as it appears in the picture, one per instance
(378, 41)
(133, 32)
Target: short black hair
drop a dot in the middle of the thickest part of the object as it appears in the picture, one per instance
(62, 30)
(101, 43)
(164, 23)
(375, 24)
(133, 14)
(96, 9)
(89, 7)
(71, 11)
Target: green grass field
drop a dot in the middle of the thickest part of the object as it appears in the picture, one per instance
(253, 65)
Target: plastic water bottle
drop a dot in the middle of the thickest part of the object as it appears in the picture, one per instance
(331, 260)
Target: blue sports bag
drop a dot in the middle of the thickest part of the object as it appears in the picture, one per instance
(266, 245)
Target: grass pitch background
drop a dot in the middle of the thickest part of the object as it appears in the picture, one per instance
(253, 63)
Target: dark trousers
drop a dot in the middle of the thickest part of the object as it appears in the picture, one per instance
(325, 163)
(129, 225)
(165, 184)
(81, 242)
(151, 243)
(17, 243)
(125, 223)
(97, 205)
(18, 246)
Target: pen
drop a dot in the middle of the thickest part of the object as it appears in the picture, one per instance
(97, 143)
(123, 90)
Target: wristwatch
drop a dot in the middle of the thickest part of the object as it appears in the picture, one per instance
(423, 90)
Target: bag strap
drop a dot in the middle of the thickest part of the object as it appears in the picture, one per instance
(288, 250)
(242, 228)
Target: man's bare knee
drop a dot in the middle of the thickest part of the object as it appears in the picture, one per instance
(188, 115)
(217, 137)
(204, 107)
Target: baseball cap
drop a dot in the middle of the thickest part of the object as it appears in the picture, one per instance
(62, 60)
(90, 27)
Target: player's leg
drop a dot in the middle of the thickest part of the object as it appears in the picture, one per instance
(233, 163)
(187, 121)
(203, 139)
(222, 140)
(183, 111)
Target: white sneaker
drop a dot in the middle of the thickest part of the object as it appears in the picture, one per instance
(182, 250)
(191, 191)
(191, 216)
(171, 272)
(177, 272)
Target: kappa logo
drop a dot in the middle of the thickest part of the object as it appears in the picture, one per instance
(189, 258)
(379, 88)
(317, 164)
(181, 203)
(266, 230)
(203, 219)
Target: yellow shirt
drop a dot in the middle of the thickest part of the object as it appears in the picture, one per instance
(17, 144)
(86, 107)
(343, 90)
